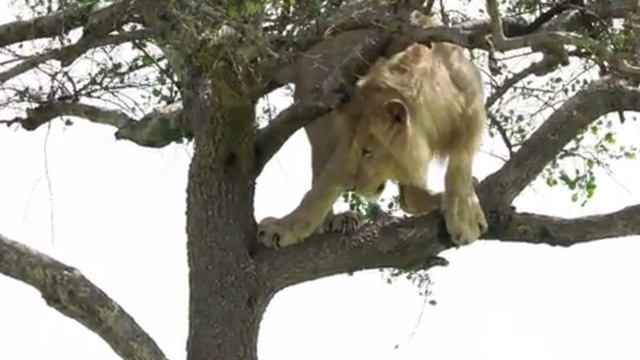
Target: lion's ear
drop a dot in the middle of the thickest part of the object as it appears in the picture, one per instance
(397, 111)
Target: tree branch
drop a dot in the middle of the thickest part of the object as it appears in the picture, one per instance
(470, 34)
(159, 128)
(550, 230)
(68, 291)
(587, 105)
(493, 120)
(541, 38)
(541, 66)
(415, 243)
(68, 54)
(156, 129)
(63, 21)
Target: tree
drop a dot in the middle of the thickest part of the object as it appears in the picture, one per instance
(204, 67)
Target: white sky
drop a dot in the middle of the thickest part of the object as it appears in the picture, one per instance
(118, 215)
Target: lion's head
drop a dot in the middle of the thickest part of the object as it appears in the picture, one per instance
(382, 142)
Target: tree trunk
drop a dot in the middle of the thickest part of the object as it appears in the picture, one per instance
(225, 304)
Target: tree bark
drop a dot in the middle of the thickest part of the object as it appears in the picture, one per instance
(67, 290)
(225, 306)
(226, 301)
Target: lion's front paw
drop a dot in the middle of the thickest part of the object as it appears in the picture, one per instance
(464, 218)
(346, 222)
(276, 233)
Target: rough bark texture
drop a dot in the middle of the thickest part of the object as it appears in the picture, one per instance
(227, 297)
(231, 279)
(68, 291)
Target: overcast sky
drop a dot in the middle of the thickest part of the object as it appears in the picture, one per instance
(118, 216)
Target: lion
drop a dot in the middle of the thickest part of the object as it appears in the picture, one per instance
(421, 104)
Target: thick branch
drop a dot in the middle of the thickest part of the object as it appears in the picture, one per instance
(156, 129)
(45, 113)
(416, 242)
(159, 128)
(543, 229)
(61, 22)
(68, 291)
(599, 98)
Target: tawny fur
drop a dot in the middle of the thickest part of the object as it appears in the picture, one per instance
(422, 103)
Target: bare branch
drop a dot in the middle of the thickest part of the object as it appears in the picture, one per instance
(45, 113)
(156, 129)
(61, 22)
(415, 243)
(599, 98)
(493, 120)
(543, 229)
(540, 66)
(68, 291)
(67, 54)
(496, 22)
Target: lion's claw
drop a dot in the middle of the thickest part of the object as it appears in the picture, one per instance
(273, 233)
(346, 222)
(465, 219)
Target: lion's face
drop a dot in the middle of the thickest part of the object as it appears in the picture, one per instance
(371, 165)
(379, 143)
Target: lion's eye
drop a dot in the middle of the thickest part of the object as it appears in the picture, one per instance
(366, 152)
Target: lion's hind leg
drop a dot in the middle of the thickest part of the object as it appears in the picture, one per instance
(418, 200)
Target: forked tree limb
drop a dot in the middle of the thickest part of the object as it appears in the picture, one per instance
(597, 99)
(65, 289)
(416, 242)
